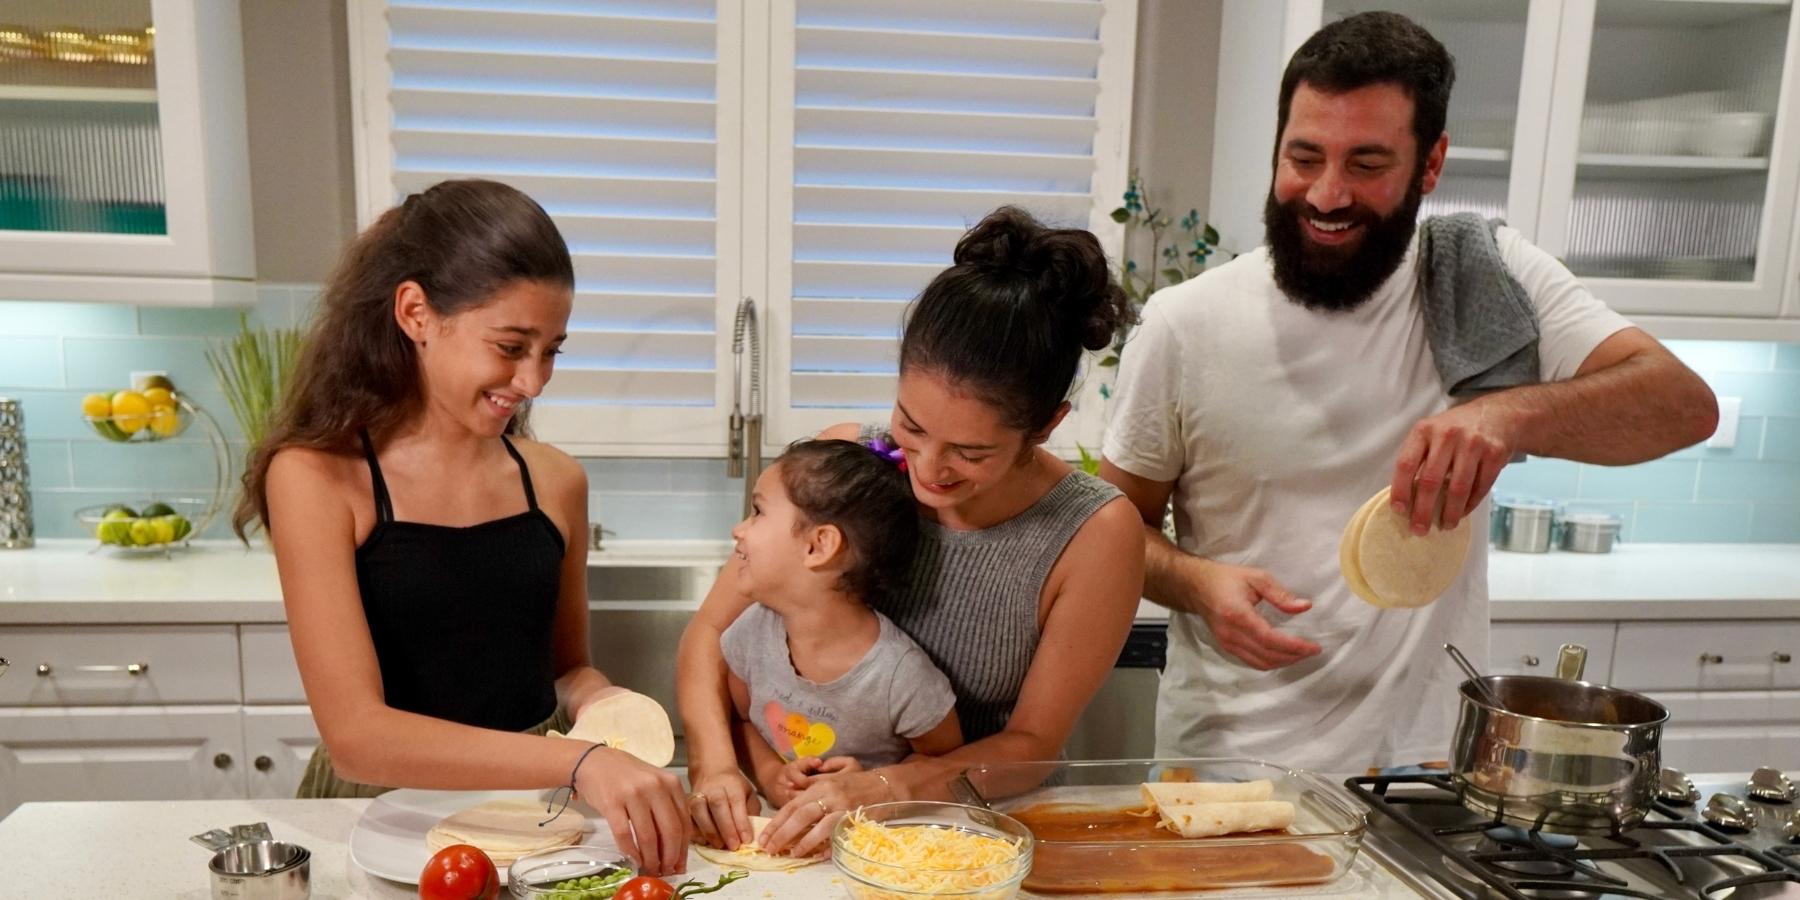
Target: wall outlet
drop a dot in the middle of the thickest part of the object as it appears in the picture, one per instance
(1725, 437)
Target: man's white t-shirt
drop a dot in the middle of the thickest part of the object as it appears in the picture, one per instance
(1276, 422)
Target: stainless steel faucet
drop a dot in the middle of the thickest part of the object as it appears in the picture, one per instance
(744, 438)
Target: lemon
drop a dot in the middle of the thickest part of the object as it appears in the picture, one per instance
(165, 421)
(96, 406)
(143, 532)
(131, 412)
(162, 530)
(159, 397)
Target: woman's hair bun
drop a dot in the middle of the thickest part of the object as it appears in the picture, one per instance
(1066, 268)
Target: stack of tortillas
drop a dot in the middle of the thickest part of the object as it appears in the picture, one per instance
(1389, 566)
(507, 829)
(1199, 809)
(627, 721)
(753, 857)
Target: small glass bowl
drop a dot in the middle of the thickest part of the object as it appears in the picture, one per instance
(536, 875)
(868, 879)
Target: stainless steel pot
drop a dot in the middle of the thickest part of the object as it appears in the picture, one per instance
(1588, 532)
(261, 870)
(1560, 755)
(1523, 526)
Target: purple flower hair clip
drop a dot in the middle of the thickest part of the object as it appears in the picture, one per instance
(890, 452)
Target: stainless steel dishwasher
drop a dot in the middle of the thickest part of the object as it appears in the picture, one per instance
(1120, 723)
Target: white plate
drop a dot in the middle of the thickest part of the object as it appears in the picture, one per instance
(389, 840)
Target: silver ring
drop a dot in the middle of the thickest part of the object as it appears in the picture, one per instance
(823, 809)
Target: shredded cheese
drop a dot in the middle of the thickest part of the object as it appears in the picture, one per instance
(929, 859)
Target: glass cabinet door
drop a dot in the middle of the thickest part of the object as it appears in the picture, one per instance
(1500, 105)
(80, 147)
(1666, 190)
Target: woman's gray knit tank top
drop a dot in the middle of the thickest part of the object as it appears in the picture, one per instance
(973, 601)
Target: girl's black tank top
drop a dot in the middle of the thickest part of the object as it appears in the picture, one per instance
(461, 617)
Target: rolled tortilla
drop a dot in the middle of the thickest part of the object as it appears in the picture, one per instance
(1198, 820)
(1159, 795)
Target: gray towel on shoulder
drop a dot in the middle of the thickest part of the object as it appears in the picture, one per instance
(1482, 327)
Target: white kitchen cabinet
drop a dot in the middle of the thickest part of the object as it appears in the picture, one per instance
(124, 178)
(270, 673)
(1722, 731)
(278, 741)
(1530, 648)
(1707, 656)
(1653, 145)
(120, 753)
(118, 665)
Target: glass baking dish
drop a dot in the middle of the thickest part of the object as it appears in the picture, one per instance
(1095, 834)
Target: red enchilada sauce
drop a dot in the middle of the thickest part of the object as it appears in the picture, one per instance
(1149, 858)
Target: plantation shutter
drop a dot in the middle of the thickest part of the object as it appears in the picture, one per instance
(611, 114)
(895, 126)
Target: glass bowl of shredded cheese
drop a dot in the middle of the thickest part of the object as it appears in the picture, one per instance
(898, 851)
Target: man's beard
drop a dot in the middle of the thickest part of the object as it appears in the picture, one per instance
(1337, 279)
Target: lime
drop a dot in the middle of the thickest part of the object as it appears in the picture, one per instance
(96, 406)
(119, 511)
(182, 526)
(114, 531)
(158, 381)
(143, 532)
(106, 429)
(158, 508)
(131, 412)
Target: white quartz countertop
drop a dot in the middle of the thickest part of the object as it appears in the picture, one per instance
(72, 582)
(141, 849)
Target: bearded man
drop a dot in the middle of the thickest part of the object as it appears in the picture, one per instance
(1273, 395)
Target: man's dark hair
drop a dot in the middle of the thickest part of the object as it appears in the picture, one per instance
(1375, 48)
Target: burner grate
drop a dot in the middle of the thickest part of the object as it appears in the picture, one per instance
(1527, 866)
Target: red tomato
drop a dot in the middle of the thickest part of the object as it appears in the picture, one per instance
(459, 872)
(644, 887)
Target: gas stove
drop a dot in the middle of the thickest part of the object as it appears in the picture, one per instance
(1695, 843)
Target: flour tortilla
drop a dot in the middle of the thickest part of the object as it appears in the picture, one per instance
(1198, 820)
(750, 856)
(1404, 570)
(1348, 563)
(1159, 795)
(628, 721)
(506, 829)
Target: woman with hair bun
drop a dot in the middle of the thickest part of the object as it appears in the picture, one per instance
(1027, 572)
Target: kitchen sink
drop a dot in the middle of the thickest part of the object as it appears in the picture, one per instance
(636, 615)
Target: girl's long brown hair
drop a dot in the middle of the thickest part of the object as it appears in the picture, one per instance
(461, 241)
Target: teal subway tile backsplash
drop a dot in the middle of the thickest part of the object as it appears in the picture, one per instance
(18, 317)
(1663, 479)
(106, 363)
(53, 353)
(1781, 439)
(1690, 522)
(1787, 358)
(1764, 482)
(1775, 523)
(31, 362)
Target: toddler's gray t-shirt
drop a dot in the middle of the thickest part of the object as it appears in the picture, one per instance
(891, 695)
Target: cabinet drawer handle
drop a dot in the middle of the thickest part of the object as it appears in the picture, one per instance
(45, 670)
(1711, 659)
(1782, 657)
(264, 764)
(1531, 662)
(222, 761)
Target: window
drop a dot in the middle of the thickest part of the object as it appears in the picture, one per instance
(820, 156)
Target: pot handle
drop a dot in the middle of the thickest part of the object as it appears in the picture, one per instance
(1571, 661)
